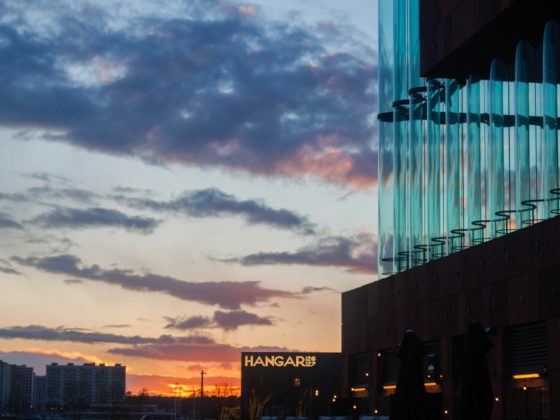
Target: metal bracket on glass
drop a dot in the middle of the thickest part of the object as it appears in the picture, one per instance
(531, 209)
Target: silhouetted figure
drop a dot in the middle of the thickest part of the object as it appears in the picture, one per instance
(476, 398)
(409, 402)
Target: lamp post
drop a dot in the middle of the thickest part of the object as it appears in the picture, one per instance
(202, 373)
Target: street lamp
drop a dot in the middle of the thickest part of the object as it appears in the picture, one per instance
(202, 373)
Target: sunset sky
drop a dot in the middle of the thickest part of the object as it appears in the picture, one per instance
(183, 180)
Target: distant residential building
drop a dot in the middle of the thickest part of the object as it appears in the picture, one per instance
(5, 377)
(21, 388)
(39, 392)
(86, 385)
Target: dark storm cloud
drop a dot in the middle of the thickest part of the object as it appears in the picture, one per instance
(6, 222)
(229, 295)
(227, 321)
(213, 202)
(357, 254)
(209, 86)
(64, 217)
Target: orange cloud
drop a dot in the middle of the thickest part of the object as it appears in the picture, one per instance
(331, 163)
(74, 355)
(247, 10)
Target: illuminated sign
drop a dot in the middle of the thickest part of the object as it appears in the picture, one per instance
(279, 361)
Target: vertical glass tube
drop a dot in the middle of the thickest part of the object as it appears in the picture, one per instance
(400, 121)
(414, 79)
(417, 244)
(385, 178)
(524, 63)
(416, 157)
(551, 45)
(452, 164)
(536, 137)
(495, 149)
(433, 169)
(474, 175)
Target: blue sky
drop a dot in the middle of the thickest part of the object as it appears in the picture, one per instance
(183, 180)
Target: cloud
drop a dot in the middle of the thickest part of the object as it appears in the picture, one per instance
(209, 351)
(7, 268)
(73, 281)
(233, 320)
(229, 295)
(312, 289)
(117, 326)
(38, 332)
(189, 323)
(65, 217)
(357, 254)
(194, 348)
(213, 202)
(6, 222)
(207, 85)
(47, 177)
(47, 191)
(75, 194)
(227, 321)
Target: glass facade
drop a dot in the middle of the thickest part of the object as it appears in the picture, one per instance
(462, 161)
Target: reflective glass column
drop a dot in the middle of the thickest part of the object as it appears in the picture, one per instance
(400, 134)
(550, 115)
(524, 200)
(385, 178)
(453, 223)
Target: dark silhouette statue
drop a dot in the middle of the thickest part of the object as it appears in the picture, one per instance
(476, 398)
(409, 402)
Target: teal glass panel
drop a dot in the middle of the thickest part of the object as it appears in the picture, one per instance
(414, 79)
(385, 177)
(453, 166)
(536, 139)
(551, 45)
(433, 169)
(473, 164)
(495, 180)
(417, 244)
(400, 130)
(524, 73)
(417, 240)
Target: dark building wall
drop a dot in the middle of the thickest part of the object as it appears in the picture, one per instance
(461, 37)
(21, 389)
(509, 281)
